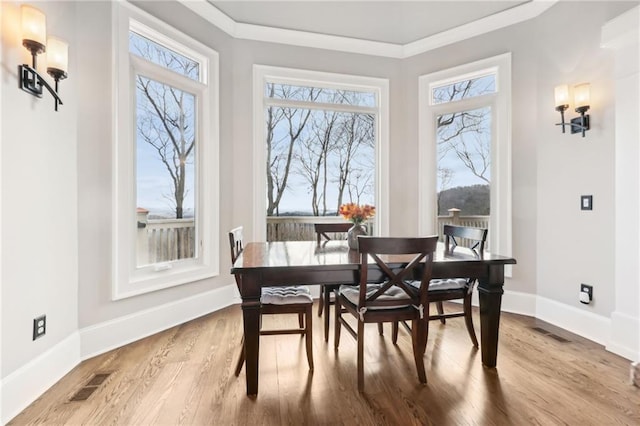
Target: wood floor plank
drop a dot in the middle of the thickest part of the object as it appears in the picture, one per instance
(184, 376)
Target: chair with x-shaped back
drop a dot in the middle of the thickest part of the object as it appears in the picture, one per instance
(385, 292)
(455, 288)
(278, 300)
(326, 232)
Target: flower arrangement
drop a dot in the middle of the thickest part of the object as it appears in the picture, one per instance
(357, 214)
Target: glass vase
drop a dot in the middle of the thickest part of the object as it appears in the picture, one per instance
(353, 233)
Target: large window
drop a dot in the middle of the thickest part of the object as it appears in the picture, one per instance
(166, 127)
(321, 137)
(465, 145)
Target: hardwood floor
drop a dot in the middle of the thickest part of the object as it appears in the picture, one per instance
(185, 376)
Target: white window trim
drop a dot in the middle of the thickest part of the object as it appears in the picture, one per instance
(127, 279)
(262, 74)
(500, 102)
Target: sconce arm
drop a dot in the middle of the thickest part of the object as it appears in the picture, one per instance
(578, 126)
(31, 81)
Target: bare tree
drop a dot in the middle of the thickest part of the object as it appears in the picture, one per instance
(319, 146)
(445, 175)
(313, 155)
(465, 132)
(355, 172)
(280, 150)
(166, 121)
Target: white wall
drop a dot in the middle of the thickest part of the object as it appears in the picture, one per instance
(576, 246)
(39, 201)
(56, 170)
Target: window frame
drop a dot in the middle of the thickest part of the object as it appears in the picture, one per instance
(263, 74)
(128, 279)
(500, 240)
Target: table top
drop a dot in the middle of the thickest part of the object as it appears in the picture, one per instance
(335, 254)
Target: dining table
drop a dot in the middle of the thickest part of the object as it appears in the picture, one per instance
(280, 263)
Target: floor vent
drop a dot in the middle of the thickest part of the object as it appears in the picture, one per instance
(558, 338)
(85, 392)
(550, 334)
(540, 330)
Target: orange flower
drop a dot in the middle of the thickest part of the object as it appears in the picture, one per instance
(357, 214)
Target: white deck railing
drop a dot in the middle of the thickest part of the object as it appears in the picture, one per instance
(300, 228)
(163, 240)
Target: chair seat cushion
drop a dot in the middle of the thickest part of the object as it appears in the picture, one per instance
(287, 295)
(443, 284)
(352, 294)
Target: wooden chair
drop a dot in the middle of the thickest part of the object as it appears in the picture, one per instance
(322, 234)
(391, 298)
(455, 288)
(278, 300)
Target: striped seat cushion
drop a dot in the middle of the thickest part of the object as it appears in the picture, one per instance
(443, 284)
(352, 294)
(287, 295)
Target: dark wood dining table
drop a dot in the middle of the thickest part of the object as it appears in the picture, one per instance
(264, 264)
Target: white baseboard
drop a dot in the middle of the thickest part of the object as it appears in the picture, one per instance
(625, 336)
(513, 301)
(100, 338)
(619, 334)
(519, 303)
(27, 383)
(583, 323)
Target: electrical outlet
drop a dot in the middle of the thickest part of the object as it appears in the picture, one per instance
(39, 326)
(586, 293)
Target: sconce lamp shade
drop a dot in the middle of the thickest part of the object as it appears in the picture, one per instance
(562, 96)
(57, 56)
(34, 38)
(581, 96)
(34, 29)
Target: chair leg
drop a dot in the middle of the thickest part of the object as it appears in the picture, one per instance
(327, 312)
(468, 319)
(240, 362)
(301, 320)
(440, 309)
(394, 332)
(321, 301)
(419, 333)
(336, 323)
(361, 356)
(309, 335)
(380, 329)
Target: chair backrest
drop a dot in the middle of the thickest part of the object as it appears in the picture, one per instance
(477, 236)
(397, 260)
(322, 229)
(236, 245)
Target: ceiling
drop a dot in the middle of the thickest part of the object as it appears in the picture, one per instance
(396, 22)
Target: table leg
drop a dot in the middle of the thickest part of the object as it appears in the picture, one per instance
(490, 294)
(251, 319)
(420, 331)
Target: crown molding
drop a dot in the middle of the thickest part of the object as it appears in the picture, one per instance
(320, 41)
(481, 26)
(622, 31)
(366, 47)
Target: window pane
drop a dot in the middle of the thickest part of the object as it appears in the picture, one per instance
(464, 162)
(318, 160)
(165, 172)
(163, 56)
(464, 89)
(317, 94)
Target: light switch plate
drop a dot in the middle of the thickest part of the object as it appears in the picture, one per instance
(586, 202)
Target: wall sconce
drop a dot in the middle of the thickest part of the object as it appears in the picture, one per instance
(581, 99)
(34, 34)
